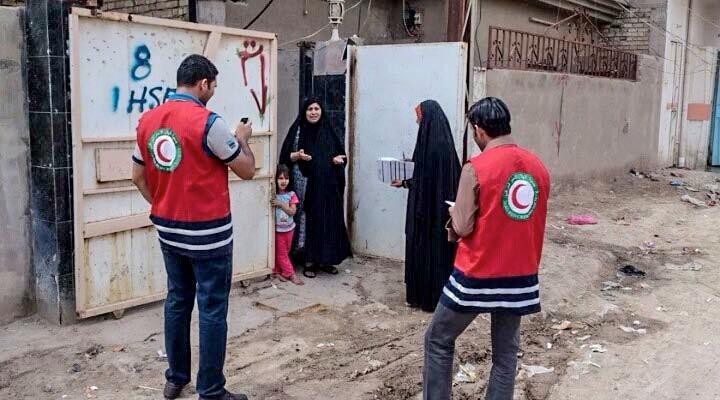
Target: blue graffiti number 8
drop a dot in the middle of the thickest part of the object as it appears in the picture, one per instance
(142, 67)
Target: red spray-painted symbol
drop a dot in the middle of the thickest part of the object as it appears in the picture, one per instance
(245, 55)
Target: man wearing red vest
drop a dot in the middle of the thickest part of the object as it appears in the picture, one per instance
(181, 165)
(499, 219)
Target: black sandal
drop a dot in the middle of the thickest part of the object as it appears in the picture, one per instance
(310, 272)
(329, 269)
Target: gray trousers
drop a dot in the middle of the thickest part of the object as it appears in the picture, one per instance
(440, 337)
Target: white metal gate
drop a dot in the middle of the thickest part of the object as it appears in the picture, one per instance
(123, 65)
(387, 83)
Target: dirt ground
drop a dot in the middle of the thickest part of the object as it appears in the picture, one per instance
(351, 337)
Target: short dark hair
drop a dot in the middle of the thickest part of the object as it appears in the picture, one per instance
(282, 170)
(195, 68)
(492, 115)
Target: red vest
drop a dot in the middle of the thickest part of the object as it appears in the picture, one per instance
(187, 184)
(507, 239)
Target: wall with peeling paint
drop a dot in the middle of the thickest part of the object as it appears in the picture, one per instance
(16, 281)
(293, 19)
(582, 126)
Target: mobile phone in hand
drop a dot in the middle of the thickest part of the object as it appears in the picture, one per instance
(244, 120)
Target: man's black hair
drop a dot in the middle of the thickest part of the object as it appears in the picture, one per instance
(492, 115)
(195, 68)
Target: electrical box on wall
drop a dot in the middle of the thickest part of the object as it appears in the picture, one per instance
(413, 18)
(418, 18)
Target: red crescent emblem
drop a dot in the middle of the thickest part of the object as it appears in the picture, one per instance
(158, 150)
(513, 197)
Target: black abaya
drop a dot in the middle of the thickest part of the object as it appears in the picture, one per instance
(428, 254)
(326, 241)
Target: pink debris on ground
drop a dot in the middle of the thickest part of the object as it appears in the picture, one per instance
(581, 220)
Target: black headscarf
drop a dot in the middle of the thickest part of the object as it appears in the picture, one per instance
(320, 141)
(437, 170)
(288, 145)
(308, 132)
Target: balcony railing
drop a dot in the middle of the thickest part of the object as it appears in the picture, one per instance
(510, 49)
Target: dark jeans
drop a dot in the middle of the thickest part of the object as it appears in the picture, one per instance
(211, 279)
(440, 338)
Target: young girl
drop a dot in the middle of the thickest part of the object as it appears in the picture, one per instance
(285, 207)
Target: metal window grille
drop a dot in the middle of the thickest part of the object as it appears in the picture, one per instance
(511, 49)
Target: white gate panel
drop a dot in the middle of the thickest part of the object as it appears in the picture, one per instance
(122, 66)
(389, 81)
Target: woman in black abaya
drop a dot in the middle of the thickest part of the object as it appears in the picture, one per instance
(326, 241)
(429, 255)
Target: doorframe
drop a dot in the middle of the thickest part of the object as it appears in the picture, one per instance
(714, 112)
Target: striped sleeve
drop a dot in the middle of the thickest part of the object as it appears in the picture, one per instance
(137, 156)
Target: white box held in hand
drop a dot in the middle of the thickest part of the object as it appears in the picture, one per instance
(390, 169)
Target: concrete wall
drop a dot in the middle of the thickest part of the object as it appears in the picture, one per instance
(582, 126)
(16, 282)
(672, 84)
(705, 23)
(292, 20)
